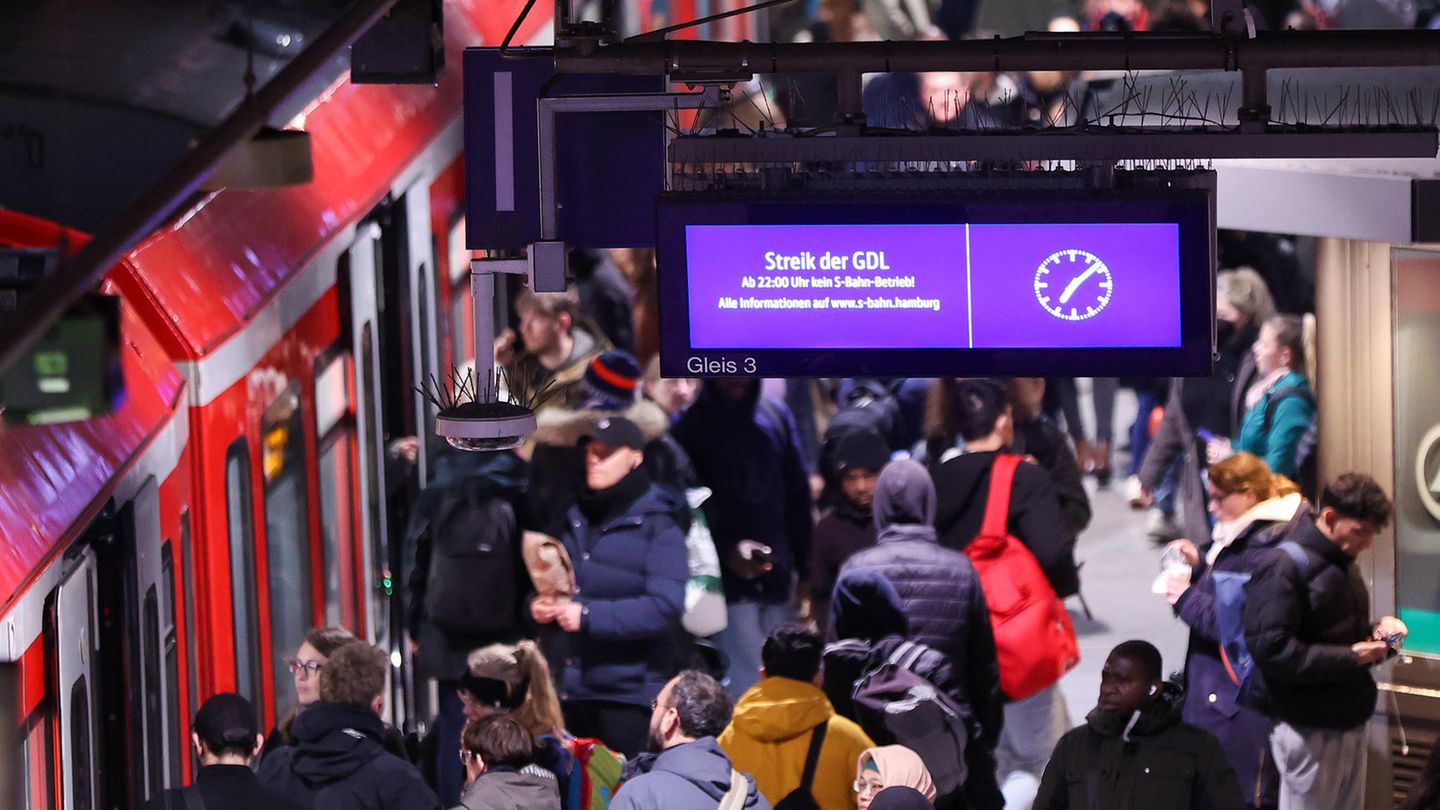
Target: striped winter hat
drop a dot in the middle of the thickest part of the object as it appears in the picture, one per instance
(611, 381)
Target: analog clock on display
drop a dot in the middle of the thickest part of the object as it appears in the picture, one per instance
(1073, 284)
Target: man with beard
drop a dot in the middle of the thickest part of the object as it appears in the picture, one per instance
(689, 770)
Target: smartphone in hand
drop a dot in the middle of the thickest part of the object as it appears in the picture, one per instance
(1205, 435)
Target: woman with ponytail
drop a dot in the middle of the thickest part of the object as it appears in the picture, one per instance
(1252, 507)
(514, 679)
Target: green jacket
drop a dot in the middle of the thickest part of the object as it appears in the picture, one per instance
(1291, 416)
(1158, 764)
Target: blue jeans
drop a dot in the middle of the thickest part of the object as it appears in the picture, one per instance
(1032, 728)
(747, 625)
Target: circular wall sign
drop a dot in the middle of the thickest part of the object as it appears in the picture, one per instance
(1427, 471)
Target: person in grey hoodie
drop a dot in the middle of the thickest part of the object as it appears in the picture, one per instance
(691, 771)
(499, 756)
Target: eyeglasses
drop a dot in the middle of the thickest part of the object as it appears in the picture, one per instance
(862, 787)
(1219, 497)
(310, 668)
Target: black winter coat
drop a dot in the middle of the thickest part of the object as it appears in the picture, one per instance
(341, 764)
(228, 787)
(841, 532)
(963, 484)
(748, 453)
(1299, 625)
(1159, 763)
(1039, 437)
(944, 608)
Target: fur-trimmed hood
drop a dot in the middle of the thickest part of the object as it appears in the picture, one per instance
(565, 427)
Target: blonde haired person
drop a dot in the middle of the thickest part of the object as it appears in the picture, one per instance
(890, 766)
(513, 679)
(1252, 506)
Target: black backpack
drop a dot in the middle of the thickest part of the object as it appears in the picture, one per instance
(1307, 473)
(801, 798)
(894, 705)
(472, 588)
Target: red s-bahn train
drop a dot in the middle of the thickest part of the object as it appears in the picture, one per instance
(181, 545)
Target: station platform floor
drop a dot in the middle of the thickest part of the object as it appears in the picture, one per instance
(1120, 563)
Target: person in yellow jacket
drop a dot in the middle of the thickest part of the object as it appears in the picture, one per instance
(770, 734)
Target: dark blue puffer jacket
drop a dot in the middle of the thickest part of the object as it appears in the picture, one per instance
(630, 575)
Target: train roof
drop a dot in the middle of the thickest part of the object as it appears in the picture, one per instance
(57, 476)
(211, 270)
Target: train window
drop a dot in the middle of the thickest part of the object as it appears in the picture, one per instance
(242, 567)
(170, 643)
(337, 504)
(38, 760)
(287, 536)
(154, 705)
(192, 652)
(80, 735)
(370, 390)
(462, 316)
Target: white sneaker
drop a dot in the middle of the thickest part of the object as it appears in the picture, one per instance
(1134, 492)
(1160, 527)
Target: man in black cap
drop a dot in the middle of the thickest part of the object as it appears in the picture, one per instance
(847, 526)
(226, 736)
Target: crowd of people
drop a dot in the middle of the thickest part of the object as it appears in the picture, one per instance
(739, 593)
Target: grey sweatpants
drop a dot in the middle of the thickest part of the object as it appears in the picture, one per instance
(1320, 769)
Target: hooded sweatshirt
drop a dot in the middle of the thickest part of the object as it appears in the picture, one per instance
(938, 587)
(690, 776)
(963, 485)
(769, 737)
(340, 762)
(1153, 760)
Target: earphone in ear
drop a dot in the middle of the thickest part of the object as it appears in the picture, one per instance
(1154, 689)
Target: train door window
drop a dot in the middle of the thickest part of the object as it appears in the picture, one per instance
(287, 536)
(71, 640)
(238, 505)
(462, 313)
(337, 504)
(192, 651)
(170, 643)
(154, 702)
(83, 797)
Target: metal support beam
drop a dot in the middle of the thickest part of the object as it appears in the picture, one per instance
(1268, 50)
(48, 300)
(1058, 145)
(550, 107)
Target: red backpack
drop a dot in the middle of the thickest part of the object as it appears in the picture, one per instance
(1034, 639)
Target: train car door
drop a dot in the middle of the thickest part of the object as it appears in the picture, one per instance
(72, 627)
(148, 698)
(363, 265)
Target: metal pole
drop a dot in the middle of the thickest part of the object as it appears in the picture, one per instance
(49, 299)
(1048, 51)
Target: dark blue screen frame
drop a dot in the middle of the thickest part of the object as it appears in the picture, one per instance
(1191, 211)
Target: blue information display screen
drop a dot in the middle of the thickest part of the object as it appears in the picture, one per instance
(1073, 286)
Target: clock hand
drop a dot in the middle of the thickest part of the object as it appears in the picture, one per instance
(1077, 281)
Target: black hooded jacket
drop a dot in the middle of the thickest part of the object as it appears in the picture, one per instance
(340, 763)
(938, 589)
(963, 484)
(1299, 625)
(1118, 762)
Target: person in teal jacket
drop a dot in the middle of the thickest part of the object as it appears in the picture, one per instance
(1281, 404)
